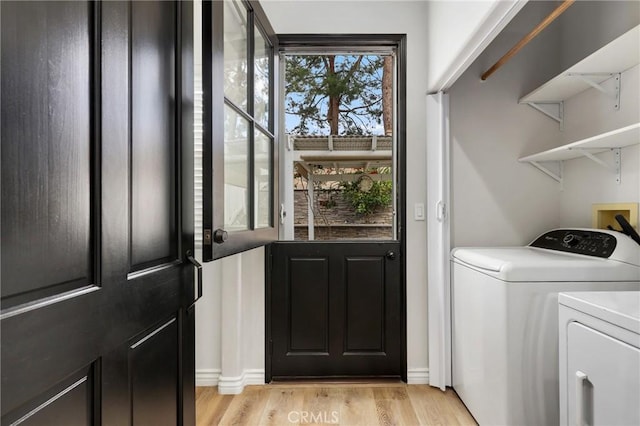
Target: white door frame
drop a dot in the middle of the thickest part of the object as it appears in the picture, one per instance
(438, 191)
(438, 241)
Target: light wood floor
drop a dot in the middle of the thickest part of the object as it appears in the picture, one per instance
(331, 403)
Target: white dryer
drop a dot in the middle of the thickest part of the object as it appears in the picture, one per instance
(599, 358)
(505, 317)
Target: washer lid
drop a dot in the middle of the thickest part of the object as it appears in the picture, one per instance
(532, 264)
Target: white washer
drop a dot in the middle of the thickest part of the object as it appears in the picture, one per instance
(599, 358)
(505, 317)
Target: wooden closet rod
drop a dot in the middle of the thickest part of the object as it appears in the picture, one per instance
(526, 39)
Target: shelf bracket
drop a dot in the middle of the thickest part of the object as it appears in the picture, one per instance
(617, 155)
(613, 92)
(616, 168)
(555, 175)
(553, 110)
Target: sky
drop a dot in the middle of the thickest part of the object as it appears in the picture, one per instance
(292, 120)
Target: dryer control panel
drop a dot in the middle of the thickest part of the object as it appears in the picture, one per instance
(578, 241)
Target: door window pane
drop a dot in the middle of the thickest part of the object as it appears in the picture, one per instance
(240, 145)
(261, 79)
(262, 179)
(236, 171)
(235, 53)
(340, 104)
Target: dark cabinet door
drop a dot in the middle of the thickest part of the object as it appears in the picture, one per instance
(97, 205)
(336, 310)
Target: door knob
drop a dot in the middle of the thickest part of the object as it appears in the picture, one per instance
(220, 236)
(391, 255)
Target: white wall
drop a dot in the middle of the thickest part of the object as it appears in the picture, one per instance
(209, 325)
(586, 182)
(496, 200)
(230, 328)
(589, 24)
(396, 17)
(453, 29)
(208, 309)
(253, 304)
(457, 31)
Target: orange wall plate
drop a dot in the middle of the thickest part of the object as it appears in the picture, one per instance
(604, 214)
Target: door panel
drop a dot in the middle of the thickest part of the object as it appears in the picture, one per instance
(71, 402)
(307, 303)
(41, 77)
(335, 309)
(153, 232)
(154, 382)
(365, 305)
(84, 207)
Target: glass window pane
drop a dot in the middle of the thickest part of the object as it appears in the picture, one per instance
(236, 171)
(261, 80)
(262, 150)
(235, 53)
(352, 198)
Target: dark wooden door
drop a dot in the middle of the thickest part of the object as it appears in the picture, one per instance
(97, 202)
(336, 309)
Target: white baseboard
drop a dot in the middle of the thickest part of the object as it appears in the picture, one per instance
(207, 376)
(418, 376)
(255, 376)
(235, 385)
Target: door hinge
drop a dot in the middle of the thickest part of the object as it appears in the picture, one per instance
(207, 237)
(271, 347)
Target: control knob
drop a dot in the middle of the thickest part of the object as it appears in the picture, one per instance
(571, 240)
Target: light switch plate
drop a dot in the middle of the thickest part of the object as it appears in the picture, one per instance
(418, 211)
